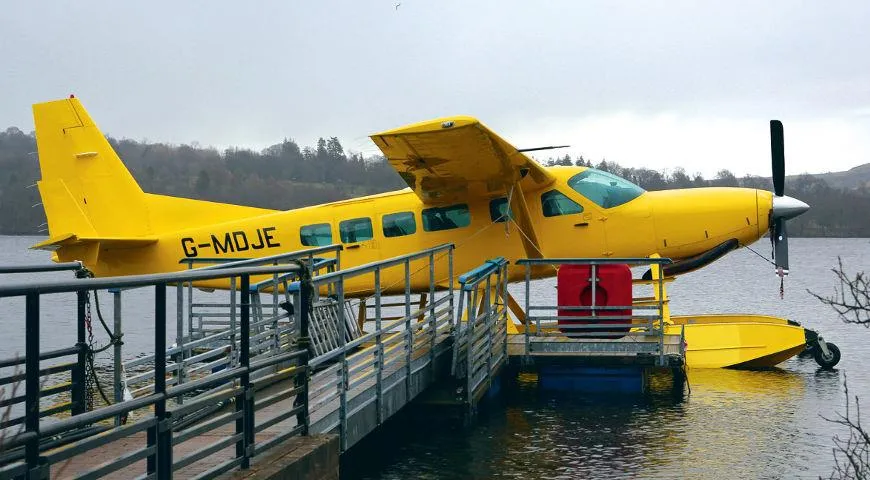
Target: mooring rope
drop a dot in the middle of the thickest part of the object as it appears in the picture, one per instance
(92, 380)
(781, 276)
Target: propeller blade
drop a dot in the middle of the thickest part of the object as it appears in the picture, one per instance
(777, 155)
(779, 238)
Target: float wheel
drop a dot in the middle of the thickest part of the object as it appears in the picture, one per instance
(830, 360)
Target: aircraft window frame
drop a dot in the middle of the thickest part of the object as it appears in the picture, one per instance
(560, 197)
(396, 224)
(603, 188)
(448, 214)
(499, 210)
(315, 234)
(344, 232)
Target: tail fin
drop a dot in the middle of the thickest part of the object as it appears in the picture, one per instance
(86, 190)
(91, 200)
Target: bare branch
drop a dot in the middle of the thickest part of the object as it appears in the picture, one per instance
(851, 300)
(852, 451)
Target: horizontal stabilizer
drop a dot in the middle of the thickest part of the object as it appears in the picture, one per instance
(115, 243)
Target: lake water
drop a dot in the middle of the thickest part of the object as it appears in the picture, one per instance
(734, 424)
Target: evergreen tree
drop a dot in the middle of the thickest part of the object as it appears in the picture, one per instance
(285, 176)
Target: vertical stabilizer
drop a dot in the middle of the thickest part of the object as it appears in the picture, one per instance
(85, 188)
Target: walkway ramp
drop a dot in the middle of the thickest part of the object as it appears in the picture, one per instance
(283, 357)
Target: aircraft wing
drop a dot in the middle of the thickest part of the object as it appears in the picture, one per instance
(453, 159)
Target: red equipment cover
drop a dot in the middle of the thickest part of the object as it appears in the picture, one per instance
(574, 289)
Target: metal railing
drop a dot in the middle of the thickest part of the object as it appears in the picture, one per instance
(636, 328)
(221, 392)
(381, 364)
(55, 380)
(162, 431)
(206, 318)
(51, 267)
(61, 381)
(480, 347)
(210, 341)
(334, 333)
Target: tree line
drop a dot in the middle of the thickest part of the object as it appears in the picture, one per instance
(285, 176)
(834, 212)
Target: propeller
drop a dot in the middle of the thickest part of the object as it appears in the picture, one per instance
(784, 207)
(777, 154)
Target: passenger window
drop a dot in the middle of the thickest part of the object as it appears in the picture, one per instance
(399, 224)
(555, 203)
(499, 210)
(445, 218)
(355, 230)
(316, 235)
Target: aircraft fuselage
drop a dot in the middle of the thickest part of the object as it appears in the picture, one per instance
(674, 223)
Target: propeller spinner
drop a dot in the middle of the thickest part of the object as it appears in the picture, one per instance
(784, 207)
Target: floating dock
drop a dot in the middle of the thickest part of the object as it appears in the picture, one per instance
(605, 347)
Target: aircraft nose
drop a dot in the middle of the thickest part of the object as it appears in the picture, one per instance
(788, 207)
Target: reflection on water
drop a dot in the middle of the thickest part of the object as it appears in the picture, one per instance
(734, 424)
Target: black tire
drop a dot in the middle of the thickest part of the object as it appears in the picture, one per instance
(827, 362)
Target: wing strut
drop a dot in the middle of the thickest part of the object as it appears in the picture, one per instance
(518, 205)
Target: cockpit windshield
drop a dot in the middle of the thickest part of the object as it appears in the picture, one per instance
(605, 189)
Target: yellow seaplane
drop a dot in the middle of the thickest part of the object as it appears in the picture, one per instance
(467, 186)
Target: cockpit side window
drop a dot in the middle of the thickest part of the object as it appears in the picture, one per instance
(555, 203)
(605, 189)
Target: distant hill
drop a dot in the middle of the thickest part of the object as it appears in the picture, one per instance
(287, 175)
(850, 179)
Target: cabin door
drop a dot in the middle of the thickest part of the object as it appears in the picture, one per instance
(357, 237)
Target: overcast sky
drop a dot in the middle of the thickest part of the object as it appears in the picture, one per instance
(645, 84)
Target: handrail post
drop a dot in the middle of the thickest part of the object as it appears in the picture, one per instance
(277, 338)
(179, 338)
(245, 401)
(489, 325)
(409, 334)
(528, 320)
(661, 284)
(379, 348)
(432, 321)
(160, 435)
(594, 282)
(233, 360)
(469, 346)
(190, 306)
(79, 373)
(504, 306)
(342, 369)
(453, 320)
(305, 294)
(31, 387)
(119, 392)
(457, 333)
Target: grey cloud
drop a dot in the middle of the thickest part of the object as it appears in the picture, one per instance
(252, 73)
